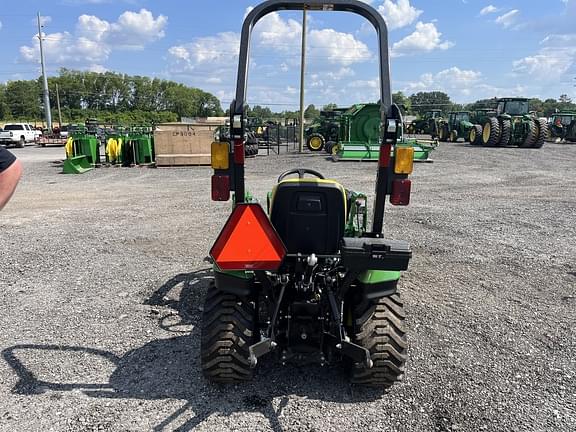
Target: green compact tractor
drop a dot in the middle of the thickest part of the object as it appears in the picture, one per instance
(427, 124)
(563, 126)
(457, 126)
(514, 125)
(309, 281)
(324, 130)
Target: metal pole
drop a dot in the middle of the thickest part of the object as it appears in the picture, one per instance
(302, 71)
(47, 112)
(58, 104)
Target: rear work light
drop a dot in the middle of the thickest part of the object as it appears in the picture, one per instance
(400, 195)
(248, 241)
(220, 152)
(220, 187)
(404, 163)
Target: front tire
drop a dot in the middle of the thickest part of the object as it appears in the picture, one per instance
(379, 327)
(228, 330)
(532, 135)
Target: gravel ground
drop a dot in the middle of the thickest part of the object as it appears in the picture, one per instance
(103, 276)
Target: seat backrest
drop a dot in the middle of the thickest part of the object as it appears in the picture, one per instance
(309, 215)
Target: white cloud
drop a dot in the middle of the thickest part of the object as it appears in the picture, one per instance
(94, 38)
(488, 10)
(44, 20)
(399, 14)
(425, 38)
(556, 58)
(449, 80)
(508, 19)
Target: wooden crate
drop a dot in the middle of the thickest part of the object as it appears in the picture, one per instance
(183, 144)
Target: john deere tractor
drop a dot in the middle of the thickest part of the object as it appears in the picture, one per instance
(478, 117)
(514, 125)
(427, 124)
(324, 129)
(563, 126)
(308, 280)
(457, 126)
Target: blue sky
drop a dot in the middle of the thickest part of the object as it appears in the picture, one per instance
(470, 49)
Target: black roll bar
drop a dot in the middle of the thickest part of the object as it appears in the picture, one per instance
(386, 108)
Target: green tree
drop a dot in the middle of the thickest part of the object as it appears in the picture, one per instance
(23, 98)
(311, 112)
(426, 101)
(402, 101)
(329, 107)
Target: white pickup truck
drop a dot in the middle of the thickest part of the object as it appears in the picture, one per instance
(17, 134)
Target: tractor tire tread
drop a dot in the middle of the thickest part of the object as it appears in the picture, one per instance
(228, 330)
(494, 137)
(505, 132)
(543, 132)
(380, 329)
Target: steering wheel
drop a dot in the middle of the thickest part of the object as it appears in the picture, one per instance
(301, 172)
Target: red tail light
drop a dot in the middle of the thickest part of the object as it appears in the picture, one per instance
(384, 159)
(400, 195)
(220, 188)
(239, 151)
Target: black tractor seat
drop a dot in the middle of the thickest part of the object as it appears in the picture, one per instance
(309, 214)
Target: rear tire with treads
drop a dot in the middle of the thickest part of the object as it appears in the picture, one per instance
(315, 142)
(491, 132)
(543, 133)
(505, 132)
(475, 136)
(532, 135)
(379, 327)
(228, 330)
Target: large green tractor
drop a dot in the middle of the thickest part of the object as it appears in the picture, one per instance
(478, 117)
(427, 124)
(563, 126)
(457, 126)
(514, 124)
(309, 282)
(325, 129)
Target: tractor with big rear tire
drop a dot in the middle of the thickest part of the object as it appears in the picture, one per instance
(428, 124)
(456, 126)
(324, 130)
(308, 281)
(514, 125)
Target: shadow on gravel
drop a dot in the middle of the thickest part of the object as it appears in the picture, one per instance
(170, 369)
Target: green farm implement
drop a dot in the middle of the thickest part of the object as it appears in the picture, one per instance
(324, 130)
(82, 152)
(359, 138)
(309, 281)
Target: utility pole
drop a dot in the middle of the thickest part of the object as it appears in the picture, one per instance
(47, 112)
(302, 72)
(58, 105)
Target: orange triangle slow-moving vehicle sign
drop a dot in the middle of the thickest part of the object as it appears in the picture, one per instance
(248, 241)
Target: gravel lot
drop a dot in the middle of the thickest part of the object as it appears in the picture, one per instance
(103, 276)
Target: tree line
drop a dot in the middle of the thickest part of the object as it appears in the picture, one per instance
(109, 96)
